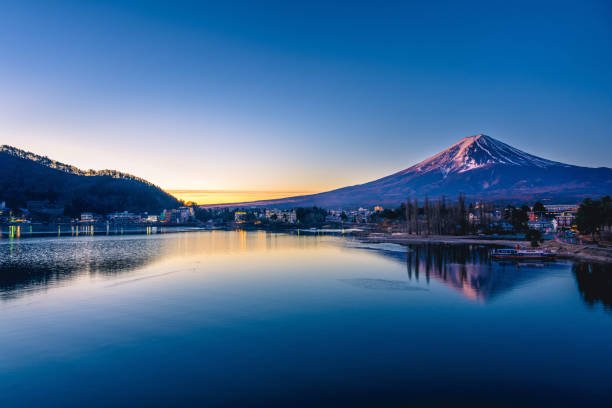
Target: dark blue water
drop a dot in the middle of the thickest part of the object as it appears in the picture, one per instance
(260, 319)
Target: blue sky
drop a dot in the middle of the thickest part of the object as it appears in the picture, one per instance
(300, 97)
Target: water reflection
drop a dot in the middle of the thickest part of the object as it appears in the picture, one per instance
(30, 265)
(381, 284)
(241, 319)
(470, 270)
(594, 283)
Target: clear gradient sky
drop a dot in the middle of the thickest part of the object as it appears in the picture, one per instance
(300, 98)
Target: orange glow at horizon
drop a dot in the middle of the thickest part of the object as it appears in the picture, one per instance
(232, 196)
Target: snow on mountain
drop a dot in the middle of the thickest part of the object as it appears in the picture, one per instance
(478, 151)
(478, 166)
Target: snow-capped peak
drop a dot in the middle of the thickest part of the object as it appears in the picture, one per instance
(478, 151)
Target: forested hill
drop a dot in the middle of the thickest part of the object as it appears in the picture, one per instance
(26, 176)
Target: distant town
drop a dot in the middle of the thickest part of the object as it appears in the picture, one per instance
(429, 217)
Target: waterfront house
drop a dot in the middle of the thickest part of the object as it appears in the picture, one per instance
(87, 217)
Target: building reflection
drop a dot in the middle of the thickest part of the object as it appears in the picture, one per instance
(31, 266)
(34, 264)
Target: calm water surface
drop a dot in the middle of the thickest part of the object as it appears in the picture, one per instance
(263, 319)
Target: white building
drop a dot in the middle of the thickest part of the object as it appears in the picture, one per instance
(123, 217)
(289, 216)
(240, 216)
(87, 217)
(563, 221)
(185, 214)
(542, 226)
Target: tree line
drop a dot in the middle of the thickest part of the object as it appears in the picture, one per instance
(594, 217)
(444, 217)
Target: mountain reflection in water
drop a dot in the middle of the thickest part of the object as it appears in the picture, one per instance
(470, 270)
(31, 265)
(232, 318)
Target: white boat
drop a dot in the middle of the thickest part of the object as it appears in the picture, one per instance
(511, 253)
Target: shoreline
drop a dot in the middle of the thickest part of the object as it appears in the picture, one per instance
(575, 252)
(440, 239)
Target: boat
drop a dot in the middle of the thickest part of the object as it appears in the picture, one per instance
(515, 253)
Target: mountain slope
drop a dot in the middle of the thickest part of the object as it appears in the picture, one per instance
(475, 152)
(26, 176)
(477, 166)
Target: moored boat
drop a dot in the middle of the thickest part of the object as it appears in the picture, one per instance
(511, 253)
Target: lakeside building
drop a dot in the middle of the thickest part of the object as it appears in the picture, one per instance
(185, 214)
(123, 217)
(554, 211)
(562, 208)
(360, 216)
(556, 217)
(286, 216)
(473, 218)
(480, 217)
(87, 217)
(333, 218)
(179, 215)
(563, 221)
(166, 216)
(542, 226)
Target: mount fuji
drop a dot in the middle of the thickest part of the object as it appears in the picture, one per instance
(480, 167)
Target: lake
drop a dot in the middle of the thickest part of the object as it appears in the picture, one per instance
(234, 318)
